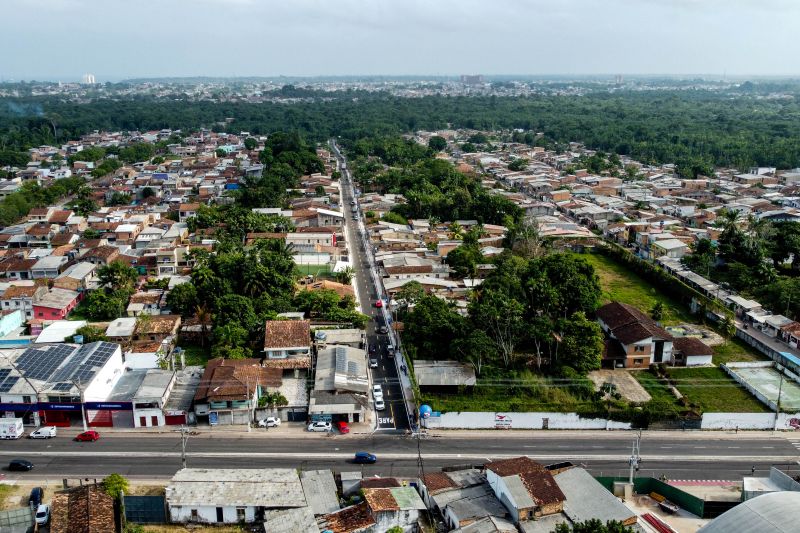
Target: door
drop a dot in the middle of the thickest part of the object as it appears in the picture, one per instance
(659, 355)
(143, 421)
(219, 514)
(154, 421)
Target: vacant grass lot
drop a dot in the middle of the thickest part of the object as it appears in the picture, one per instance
(714, 391)
(622, 285)
(735, 350)
(195, 355)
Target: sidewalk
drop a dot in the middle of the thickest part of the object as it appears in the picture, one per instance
(290, 430)
(605, 434)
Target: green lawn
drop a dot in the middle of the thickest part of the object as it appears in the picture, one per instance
(735, 350)
(195, 355)
(714, 391)
(5, 492)
(654, 386)
(622, 285)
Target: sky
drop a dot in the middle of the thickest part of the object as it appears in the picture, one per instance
(117, 39)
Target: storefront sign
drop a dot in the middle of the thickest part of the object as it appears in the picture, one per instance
(107, 406)
(502, 421)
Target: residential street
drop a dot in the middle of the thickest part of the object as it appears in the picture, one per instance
(394, 416)
(676, 455)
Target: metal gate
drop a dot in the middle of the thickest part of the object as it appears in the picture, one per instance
(145, 509)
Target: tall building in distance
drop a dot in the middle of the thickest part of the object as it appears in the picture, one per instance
(88, 79)
(471, 79)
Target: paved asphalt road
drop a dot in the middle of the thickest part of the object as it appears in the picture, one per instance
(700, 456)
(394, 416)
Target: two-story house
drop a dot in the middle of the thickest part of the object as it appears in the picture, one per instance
(49, 267)
(22, 298)
(634, 340)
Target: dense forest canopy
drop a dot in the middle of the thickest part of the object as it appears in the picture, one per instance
(657, 126)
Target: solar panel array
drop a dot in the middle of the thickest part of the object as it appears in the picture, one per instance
(40, 364)
(62, 386)
(352, 368)
(4, 372)
(9, 382)
(341, 359)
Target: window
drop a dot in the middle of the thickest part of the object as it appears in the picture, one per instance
(26, 399)
(638, 348)
(638, 361)
(194, 516)
(240, 514)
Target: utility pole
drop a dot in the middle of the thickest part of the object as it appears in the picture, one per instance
(635, 458)
(184, 440)
(77, 383)
(249, 401)
(778, 404)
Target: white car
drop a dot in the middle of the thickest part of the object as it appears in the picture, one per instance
(373, 363)
(269, 422)
(379, 405)
(377, 392)
(43, 514)
(320, 426)
(46, 432)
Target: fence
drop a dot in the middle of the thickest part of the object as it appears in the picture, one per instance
(646, 485)
(493, 420)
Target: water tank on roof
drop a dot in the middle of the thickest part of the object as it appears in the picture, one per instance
(425, 411)
(320, 335)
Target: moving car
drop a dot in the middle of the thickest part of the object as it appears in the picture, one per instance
(379, 405)
(319, 426)
(378, 303)
(43, 514)
(88, 436)
(20, 465)
(37, 494)
(373, 363)
(377, 392)
(343, 428)
(269, 422)
(47, 432)
(383, 330)
(365, 458)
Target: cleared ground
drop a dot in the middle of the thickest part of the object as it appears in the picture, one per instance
(767, 381)
(626, 384)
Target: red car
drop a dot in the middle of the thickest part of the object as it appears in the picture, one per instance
(379, 303)
(88, 436)
(343, 428)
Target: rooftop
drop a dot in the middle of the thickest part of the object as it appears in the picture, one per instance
(287, 334)
(260, 487)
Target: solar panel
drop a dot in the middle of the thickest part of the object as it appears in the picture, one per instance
(352, 368)
(6, 385)
(40, 364)
(341, 359)
(4, 372)
(62, 386)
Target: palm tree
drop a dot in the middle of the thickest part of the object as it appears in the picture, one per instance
(203, 316)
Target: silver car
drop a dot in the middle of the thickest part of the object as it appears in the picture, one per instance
(320, 426)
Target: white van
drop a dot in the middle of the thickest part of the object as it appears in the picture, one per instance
(47, 432)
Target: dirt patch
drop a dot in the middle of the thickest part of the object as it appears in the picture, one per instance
(145, 490)
(626, 384)
(707, 335)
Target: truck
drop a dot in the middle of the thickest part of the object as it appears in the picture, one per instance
(11, 428)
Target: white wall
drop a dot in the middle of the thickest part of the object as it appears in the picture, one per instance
(486, 420)
(141, 360)
(749, 421)
(208, 514)
(104, 381)
(148, 414)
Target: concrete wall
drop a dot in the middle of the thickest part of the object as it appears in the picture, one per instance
(784, 421)
(208, 514)
(148, 414)
(488, 420)
(105, 379)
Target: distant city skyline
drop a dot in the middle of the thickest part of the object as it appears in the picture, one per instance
(117, 39)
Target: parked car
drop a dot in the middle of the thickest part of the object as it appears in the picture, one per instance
(377, 392)
(365, 458)
(88, 436)
(343, 428)
(20, 465)
(383, 330)
(269, 422)
(378, 303)
(319, 426)
(43, 514)
(47, 432)
(373, 363)
(379, 405)
(37, 494)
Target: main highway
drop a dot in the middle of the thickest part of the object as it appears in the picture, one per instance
(676, 455)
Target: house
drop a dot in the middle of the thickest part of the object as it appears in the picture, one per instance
(230, 389)
(690, 351)
(186, 211)
(157, 328)
(587, 499)
(673, 248)
(75, 277)
(49, 267)
(56, 304)
(462, 497)
(84, 509)
(394, 507)
(17, 268)
(320, 490)
(525, 487)
(102, 255)
(443, 376)
(634, 339)
(22, 298)
(231, 496)
(287, 339)
(145, 303)
(121, 329)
